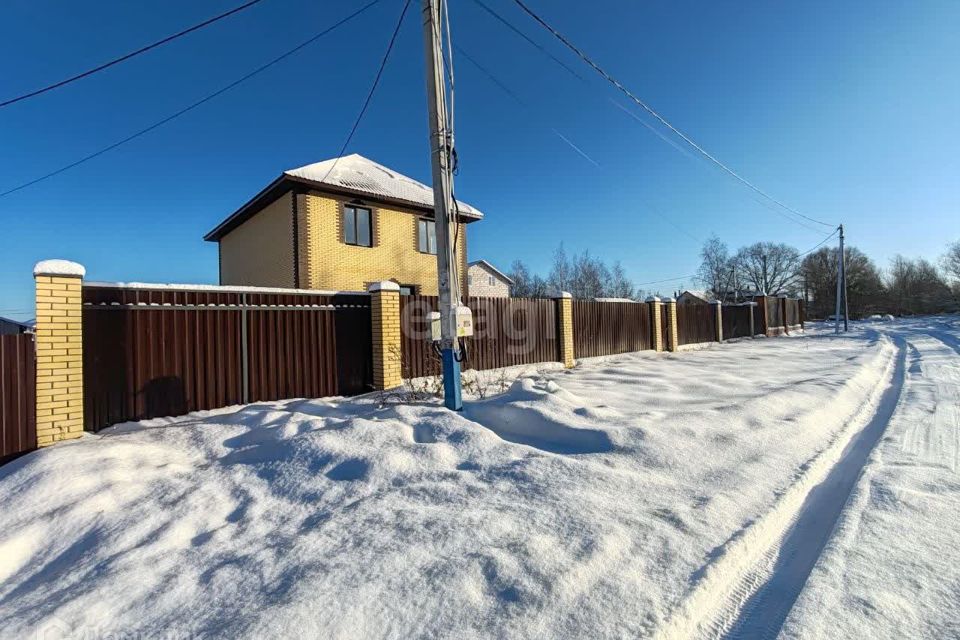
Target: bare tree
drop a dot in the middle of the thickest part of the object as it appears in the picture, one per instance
(561, 272)
(951, 266)
(951, 262)
(620, 286)
(916, 286)
(716, 270)
(522, 279)
(769, 268)
(865, 291)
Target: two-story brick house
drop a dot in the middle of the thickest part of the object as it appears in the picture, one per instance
(337, 225)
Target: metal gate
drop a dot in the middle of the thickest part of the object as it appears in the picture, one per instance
(18, 407)
(166, 352)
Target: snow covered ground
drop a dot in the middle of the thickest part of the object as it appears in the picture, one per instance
(645, 495)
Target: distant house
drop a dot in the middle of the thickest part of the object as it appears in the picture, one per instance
(338, 225)
(12, 327)
(694, 297)
(486, 281)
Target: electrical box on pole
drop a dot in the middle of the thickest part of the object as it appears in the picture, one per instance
(441, 161)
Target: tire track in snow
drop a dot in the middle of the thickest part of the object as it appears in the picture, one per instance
(764, 612)
(766, 565)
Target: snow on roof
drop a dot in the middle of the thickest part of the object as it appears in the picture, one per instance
(490, 267)
(362, 174)
(703, 295)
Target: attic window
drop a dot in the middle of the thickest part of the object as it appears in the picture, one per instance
(356, 226)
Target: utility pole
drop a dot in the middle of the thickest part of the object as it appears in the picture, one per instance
(846, 301)
(763, 257)
(441, 143)
(841, 288)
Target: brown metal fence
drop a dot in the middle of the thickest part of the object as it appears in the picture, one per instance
(793, 312)
(18, 415)
(162, 352)
(608, 328)
(696, 323)
(774, 313)
(507, 332)
(736, 321)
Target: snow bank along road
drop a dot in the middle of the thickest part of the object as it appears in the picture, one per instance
(647, 495)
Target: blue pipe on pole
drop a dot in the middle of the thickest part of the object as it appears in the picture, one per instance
(451, 381)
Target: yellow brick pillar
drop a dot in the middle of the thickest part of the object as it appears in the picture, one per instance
(59, 341)
(718, 318)
(565, 318)
(656, 323)
(385, 315)
(671, 306)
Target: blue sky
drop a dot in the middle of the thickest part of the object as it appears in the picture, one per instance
(848, 111)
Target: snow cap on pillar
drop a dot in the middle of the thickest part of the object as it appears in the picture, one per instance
(715, 302)
(562, 294)
(782, 295)
(669, 299)
(385, 285)
(59, 268)
(652, 299)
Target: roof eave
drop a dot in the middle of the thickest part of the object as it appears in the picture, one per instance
(285, 181)
(347, 191)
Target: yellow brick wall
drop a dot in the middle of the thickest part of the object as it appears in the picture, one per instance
(260, 251)
(329, 263)
(385, 318)
(565, 311)
(671, 319)
(656, 318)
(59, 359)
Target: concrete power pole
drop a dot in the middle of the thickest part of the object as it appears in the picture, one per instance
(841, 288)
(441, 141)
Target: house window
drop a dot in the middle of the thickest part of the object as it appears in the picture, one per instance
(356, 226)
(491, 281)
(469, 280)
(427, 236)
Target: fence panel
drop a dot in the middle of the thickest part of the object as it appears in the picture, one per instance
(736, 321)
(18, 419)
(774, 314)
(793, 312)
(608, 328)
(507, 332)
(151, 353)
(759, 317)
(696, 323)
(417, 355)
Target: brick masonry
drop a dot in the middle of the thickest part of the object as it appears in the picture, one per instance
(385, 316)
(656, 319)
(671, 308)
(59, 344)
(565, 316)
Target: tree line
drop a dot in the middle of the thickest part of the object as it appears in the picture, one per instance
(907, 287)
(582, 275)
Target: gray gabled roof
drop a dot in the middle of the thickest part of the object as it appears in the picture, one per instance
(489, 266)
(351, 176)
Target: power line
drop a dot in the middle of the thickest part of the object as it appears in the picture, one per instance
(193, 106)
(530, 40)
(659, 117)
(373, 90)
(507, 90)
(819, 244)
(127, 56)
(640, 284)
